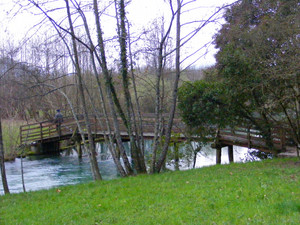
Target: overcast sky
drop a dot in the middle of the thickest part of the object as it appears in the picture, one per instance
(141, 13)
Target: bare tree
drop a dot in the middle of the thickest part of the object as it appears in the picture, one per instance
(110, 91)
(92, 151)
(75, 59)
(87, 57)
(2, 164)
(161, 52)
(136, 152)
(175, 88)
(2, 160)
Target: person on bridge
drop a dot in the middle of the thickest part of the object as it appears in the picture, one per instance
(58, 119)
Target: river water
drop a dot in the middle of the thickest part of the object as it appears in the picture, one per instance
(44, 172)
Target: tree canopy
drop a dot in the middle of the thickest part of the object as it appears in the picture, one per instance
(259, 60)
(258, 64)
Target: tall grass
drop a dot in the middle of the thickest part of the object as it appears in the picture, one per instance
(11, 137)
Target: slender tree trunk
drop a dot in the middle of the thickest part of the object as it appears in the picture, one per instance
(157, 109)
(174, 95)
(195, 159)
(136, 153)
(73, 113)
(139, 128)
(110, 91)
(109, 140)
(92, 151)
(159, 126)
(93, 160)
(22, 171)
(2, 164)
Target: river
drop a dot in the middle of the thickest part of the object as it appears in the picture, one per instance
(44, 172)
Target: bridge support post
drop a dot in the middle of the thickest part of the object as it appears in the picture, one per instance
(176, 156)
(78, 149)
(50, 148)
(230, 153)
(282, 140)
(36, 149)
(218, 154)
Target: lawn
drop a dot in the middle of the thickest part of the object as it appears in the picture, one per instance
(266, 192)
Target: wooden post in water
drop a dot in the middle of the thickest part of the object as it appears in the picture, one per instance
(218, 154)
(218, 147)
(230, 153)
(47, 148)
(78, 148)
(282, 140)
(176, 156)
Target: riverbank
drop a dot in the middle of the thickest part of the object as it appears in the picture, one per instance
(264, 192)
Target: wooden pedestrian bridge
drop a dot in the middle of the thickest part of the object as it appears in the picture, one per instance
(46, 134)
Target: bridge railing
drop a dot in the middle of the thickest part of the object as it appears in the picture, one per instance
(253, 138)
(243, 136)
(36, 131)
(47, 129)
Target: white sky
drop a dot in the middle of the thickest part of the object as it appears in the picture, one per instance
(141, 14)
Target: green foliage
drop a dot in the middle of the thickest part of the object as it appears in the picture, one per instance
(204, 107)
(259, 59)
(264, 192)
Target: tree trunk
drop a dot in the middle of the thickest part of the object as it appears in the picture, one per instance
(139, 130)
(109, 140)
(159, 126)
(2, 164)
(92, 151)
(157, 107)
(22, 171)
(174, 95)
(110, 91)
(136, 153)
(195, 159)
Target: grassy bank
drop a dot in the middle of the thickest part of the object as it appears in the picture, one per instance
(253, 193)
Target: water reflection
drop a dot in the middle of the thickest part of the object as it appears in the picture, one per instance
(44, 172)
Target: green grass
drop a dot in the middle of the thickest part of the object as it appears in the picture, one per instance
(265, 192)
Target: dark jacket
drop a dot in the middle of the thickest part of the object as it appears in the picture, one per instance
(58, 118)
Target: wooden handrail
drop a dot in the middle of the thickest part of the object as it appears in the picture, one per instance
(45, 130)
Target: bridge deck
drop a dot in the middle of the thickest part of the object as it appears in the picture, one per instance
(46, 131)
